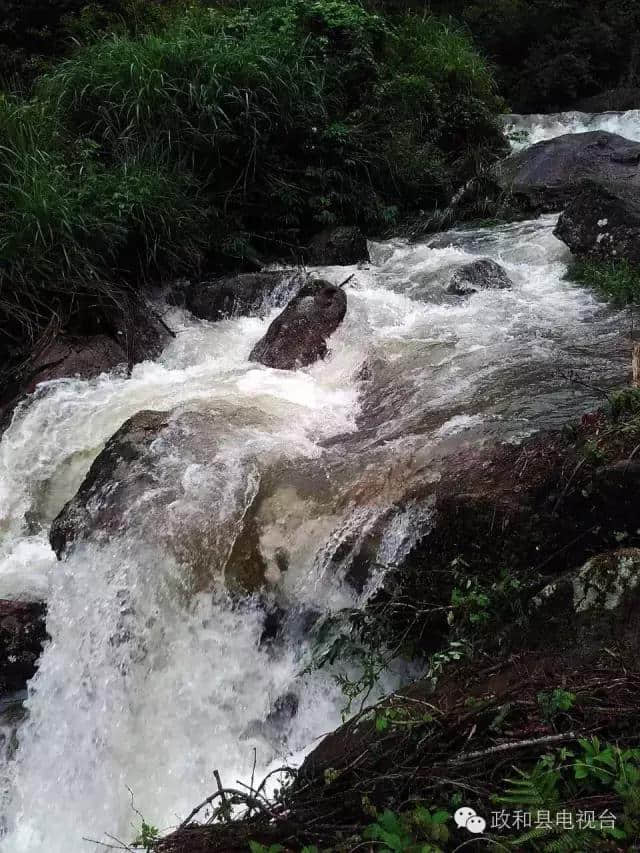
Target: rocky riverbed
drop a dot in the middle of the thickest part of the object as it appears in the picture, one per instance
(304, 444)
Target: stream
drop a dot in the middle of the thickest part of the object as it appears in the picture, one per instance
(142, 692)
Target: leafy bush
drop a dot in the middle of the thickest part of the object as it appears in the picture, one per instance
(33, 32)
(223, 132)
(617, 280)
(549, 53)
(583, 773)
(68, 225)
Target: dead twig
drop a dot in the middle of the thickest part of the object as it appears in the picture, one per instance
(505, 747)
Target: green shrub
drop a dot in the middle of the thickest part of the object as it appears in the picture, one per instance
(225, 133)
(617, 280)
(69, 225)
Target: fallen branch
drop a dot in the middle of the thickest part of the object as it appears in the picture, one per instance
(505, 747)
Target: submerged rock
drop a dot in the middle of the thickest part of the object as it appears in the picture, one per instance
(166, 485)
(298, 336)
(236, 295)
(22, 634)
(276, 723)
(115, 481)
(544, 177)
(602, 221)
(338, 247)
(483, 274)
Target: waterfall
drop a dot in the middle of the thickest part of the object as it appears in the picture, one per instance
(150, 682)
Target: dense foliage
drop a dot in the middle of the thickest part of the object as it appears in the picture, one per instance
(221, 133)
(617, 280)
(550, 53)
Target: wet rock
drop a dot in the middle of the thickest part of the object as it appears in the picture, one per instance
(298, 336)
(236, 295)
(97, 340)
(84, 357)
(114, 482)
(338, 247)
(284, 710)
(544, 177)
(22, 634)
(602, 222)
(483, 274)
(164, 484)
(140, 329)
(275, 725)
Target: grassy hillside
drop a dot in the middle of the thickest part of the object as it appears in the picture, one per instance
(211, 135)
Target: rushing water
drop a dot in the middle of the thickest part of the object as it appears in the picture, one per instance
(528, 129)
(148, 688)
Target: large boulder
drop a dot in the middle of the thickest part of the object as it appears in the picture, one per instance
(67, 356)
(592, 608)
(22, 633)
(483, 274)
(166, 483)
(97, 339)
(338, 247)
(603, 222)
(236, 295)
(298, 336)
(544, 177)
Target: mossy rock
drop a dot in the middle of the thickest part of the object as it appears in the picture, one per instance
(593, 609)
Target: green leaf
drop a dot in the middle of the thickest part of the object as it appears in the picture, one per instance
(440, 817)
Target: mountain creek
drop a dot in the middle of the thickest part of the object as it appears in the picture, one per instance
(243, 504)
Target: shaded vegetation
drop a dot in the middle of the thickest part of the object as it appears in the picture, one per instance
(617, 280)
(550, 53)
(214, 136)
(480, 741)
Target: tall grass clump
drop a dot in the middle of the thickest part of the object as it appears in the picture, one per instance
(619, 281)
(211, 135)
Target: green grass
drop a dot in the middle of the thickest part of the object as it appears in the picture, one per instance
(619, 281)
(215, 134)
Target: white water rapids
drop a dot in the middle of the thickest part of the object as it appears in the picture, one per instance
(148, 690)
(528, 129)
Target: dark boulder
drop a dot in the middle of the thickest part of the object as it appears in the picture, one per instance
(483, 274)
(114, 482)
(98, 339)
(544, 177)
(22, 634)
(602, 222)
(141, 330)
(338, 247)
(236, 295)
(84, 357)
(298, 336)
(142, 487)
